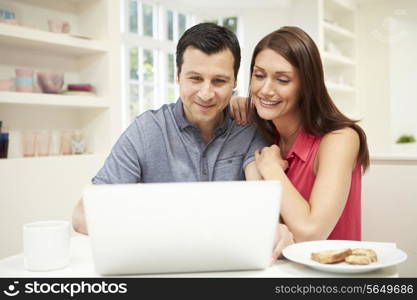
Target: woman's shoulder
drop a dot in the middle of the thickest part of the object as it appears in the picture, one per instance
(346, 134)
(342, 140)
(338, 147)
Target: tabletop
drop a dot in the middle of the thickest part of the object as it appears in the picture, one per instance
(82, 265)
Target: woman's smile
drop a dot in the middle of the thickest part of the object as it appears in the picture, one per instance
(269, 103)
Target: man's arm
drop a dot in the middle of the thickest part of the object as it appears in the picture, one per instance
(249, 165)
(121, 166)
(78, 218)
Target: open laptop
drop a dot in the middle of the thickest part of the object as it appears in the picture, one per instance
(182, 227)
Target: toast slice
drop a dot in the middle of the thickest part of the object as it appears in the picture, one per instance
(365, 252)
(331, 256)
(358, 260)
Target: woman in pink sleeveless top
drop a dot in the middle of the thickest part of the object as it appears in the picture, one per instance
(318, 153)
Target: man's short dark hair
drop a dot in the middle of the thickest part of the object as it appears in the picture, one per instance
(209, 38)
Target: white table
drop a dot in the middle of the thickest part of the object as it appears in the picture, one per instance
(82, 265)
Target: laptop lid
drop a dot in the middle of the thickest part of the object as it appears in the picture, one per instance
(182, 227)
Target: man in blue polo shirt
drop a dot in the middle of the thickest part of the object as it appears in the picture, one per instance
(195, 138)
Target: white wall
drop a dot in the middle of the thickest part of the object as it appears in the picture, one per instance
(403, 68)
(389, 207)
(373, 79)
(387, 70)
(306, 15)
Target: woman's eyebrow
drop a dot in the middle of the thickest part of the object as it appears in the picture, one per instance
(276, 72)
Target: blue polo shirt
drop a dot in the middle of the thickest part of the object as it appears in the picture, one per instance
(162, 146)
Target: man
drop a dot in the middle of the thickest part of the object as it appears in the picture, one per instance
(194, 139)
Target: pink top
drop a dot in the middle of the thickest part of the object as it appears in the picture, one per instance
(301, 173)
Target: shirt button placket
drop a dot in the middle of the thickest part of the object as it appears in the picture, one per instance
(204, 167)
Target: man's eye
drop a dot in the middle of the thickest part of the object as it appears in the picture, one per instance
(195, 78)
(219, 81)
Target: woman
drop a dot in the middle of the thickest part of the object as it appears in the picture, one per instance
(317, 153)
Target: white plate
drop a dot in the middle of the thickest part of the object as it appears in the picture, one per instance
(388, 255)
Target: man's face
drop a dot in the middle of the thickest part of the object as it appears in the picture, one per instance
(206, 85)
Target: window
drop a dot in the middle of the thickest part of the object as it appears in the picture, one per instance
(149, 41)
(228, 22)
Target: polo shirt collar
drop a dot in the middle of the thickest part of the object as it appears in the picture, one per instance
(302, 146)
(183, 123)
(179, 115)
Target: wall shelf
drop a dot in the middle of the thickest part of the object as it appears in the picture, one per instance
(335, 87)
(336, 32)
(53, 100)
(333, 59)
(344, 5)
(24, 37)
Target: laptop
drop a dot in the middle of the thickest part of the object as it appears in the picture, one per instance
(182, 227)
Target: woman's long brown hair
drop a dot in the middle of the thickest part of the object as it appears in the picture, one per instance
(319, 115)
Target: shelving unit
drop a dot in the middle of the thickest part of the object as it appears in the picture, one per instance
(83, 55)
(332, 25)
(44, 188)
(337, 29)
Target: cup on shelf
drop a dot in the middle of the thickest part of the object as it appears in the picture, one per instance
(4, 142)
(7, 84)
(29, 143)
(24, 80)
(59, 26)
(43, 140)
(46, 245)
(78, 143)
(55, 145)
(66, 142)
(15, 144)
(7, 16)
(50, 82)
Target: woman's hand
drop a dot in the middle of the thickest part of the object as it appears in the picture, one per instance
(283, 238)
(269, 161)
(239, 110)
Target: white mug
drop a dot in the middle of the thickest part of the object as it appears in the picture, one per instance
(46, 245)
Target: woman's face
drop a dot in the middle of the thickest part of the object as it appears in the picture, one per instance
(275, 85)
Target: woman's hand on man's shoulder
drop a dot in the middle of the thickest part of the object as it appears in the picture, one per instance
(239, 110)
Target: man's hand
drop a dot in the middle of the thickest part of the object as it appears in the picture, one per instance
(239, 110)
(283, 238)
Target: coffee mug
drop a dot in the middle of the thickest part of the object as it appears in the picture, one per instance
(59, 26)
(7, 84)
(24, 80)
(46, 245)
